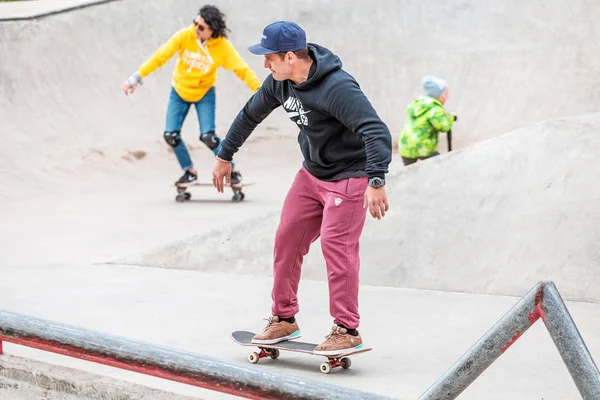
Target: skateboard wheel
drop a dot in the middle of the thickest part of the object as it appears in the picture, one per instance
(180, 198)
(346, 363)
(237, 197)
(274, 354)
(253, 357)
(325, 368)
(187, 195)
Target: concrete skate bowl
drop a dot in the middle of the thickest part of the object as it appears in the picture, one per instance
(63, 117)
(488, 219)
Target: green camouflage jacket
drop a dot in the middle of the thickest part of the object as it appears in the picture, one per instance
(425, 119)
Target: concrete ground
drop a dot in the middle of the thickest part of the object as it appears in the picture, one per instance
(90, 234)
(416, 335)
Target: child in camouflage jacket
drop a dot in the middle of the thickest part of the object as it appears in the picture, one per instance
(426, 117)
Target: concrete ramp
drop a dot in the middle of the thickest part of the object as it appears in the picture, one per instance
(494, 217)
(489, 219)
(64, 118)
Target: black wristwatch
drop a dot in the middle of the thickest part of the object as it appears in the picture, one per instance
(376, 182)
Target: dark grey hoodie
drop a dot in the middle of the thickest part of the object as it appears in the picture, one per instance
(341, 135)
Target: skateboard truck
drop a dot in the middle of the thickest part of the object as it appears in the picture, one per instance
(264, 353)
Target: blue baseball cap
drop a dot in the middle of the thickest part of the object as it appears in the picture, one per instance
(280, 36)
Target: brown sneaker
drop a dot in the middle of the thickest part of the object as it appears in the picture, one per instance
(338, 342)
(277, 331)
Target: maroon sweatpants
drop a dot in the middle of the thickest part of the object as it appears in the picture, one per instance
(334, 211)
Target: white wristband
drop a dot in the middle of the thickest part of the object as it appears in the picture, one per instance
(135, 79)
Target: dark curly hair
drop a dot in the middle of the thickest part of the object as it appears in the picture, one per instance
(215, 20)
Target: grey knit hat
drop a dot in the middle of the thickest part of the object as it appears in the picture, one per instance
(433, 86)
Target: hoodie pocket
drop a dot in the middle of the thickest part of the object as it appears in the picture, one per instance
(315, 157)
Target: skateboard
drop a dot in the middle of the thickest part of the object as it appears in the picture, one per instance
(272, 351)
(183, 194)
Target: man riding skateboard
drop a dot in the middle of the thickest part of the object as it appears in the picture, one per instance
(346, 149)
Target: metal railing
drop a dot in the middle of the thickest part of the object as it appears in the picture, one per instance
(542, 301)
(163, 362)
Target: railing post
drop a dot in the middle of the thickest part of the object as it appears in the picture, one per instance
(570, 344)
(487, 349)
(543, 301)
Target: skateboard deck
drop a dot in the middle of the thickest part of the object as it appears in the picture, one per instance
(210, 184)
(183, 194)
(272, 351)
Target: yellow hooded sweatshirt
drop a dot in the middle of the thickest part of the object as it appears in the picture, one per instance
(196, 69)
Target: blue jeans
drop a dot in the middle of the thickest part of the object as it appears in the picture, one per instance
(178, 109)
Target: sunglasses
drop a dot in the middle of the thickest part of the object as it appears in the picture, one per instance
(200, 27)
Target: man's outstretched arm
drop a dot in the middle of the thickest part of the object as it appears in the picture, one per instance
(260, 105)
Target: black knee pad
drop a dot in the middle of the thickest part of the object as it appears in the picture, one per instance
(210, 139)
(172, 138)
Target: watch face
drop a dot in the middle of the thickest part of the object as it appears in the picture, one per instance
(376, 182)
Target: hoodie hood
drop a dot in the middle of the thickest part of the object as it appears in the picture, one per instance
(340, 134)
(324, 63)
(421, 105)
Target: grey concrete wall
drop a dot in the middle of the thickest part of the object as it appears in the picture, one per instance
(508, 64)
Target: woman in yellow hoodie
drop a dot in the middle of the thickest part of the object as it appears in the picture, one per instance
(202, 48)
